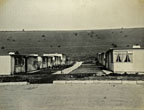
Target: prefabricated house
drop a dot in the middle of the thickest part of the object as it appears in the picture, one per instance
(46, 61)
(57, 60)
(43, 62)
(125, 60)
(63, 60)
(50, 61)
(101, 58)
(16, 63)
(54, 59)
(10, 64)
(69, 61)
(32, 62)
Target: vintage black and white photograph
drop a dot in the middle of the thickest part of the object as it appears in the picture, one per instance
(71, 54)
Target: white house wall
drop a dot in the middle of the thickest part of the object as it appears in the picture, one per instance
(5, 65)
(110, 63)
(45, 63)
(136, 65)
(19, 68)
(50, 63)
(63, 61)
(139, 60)
(32, 63)
(40, 62)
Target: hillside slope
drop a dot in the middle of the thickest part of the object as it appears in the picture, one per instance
(76, 44)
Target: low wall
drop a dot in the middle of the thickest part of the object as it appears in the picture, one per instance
(97, 82)
(13, 83)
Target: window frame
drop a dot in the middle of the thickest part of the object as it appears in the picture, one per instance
(116, 53)
(19, 61)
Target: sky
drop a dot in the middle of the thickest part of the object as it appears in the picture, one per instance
(70, 14)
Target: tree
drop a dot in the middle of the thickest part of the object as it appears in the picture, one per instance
(2, 47)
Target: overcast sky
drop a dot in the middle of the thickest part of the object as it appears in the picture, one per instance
(70, 14)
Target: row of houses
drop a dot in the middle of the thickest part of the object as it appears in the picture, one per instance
(14, 63)
(130, 60)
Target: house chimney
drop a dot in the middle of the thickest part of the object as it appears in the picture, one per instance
(136, 46)
(11, 53)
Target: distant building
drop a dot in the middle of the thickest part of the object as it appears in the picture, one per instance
(43, 62)
(13, 63)
(125, 60)
(32, 62)
(101, 58)
(55, 59)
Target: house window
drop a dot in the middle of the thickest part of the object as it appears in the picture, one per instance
(123, 56)
(19, 61)
(44, 60)
(128, 57)
(35, 62)
(118, 58)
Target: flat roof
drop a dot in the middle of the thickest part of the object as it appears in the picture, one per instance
(26, 55)
(51, 55)
(125, 49)
(35, 55)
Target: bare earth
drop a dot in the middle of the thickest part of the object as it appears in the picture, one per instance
(87, 68)
(72, 97)
(70, 69)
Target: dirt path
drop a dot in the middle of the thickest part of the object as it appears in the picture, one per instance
(70, 69)
(88, 68)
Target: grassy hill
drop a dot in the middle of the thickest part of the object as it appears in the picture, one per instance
(76, 44)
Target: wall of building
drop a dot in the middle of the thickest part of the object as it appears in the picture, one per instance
(109, 61)
(45, 62)
(19, 64)
(32, 64)
(5, 65)
(139, 60)
(57, 60)
(50, 62)
(40, 62)
(110, 64)
(136, 64)
(103, 59)
(63, 61)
